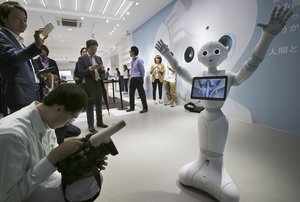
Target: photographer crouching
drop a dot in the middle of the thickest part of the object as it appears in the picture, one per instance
(30, 155)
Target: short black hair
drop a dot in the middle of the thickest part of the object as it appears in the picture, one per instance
(91, 42)
(70, 95)
(6, 8)
(81, 50)
(45, 48)
(135, 50)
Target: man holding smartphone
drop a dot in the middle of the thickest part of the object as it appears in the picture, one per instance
(92, 70)
(20, 83)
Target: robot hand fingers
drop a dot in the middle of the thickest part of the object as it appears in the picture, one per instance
(162, 47)
(283, 14)
(277, 21)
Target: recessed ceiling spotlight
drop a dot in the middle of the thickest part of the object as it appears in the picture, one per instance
(115, 28)
(59, 3)
(128, 13)
(107, 21)
(110, 33)
(118, 25)
(123, 18)
(137, 3)
(82, 18)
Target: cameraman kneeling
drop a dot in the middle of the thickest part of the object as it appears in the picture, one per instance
(29, 150)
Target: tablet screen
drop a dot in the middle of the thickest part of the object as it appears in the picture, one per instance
(209, 88)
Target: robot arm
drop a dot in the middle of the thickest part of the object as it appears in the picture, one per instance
(165, 51)
(277, 21)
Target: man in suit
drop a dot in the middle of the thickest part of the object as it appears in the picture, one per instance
(44, 62)
(92, 70)
(19, 78)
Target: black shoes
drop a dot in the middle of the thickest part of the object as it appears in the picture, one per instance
(102, 125)
(92, 130)
(129, 110)
(144, 111)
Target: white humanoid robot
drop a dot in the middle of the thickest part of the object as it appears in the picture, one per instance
(207, 173)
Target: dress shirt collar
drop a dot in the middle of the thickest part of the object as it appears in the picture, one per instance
(38, 126)
(134, 58)
(18, 38)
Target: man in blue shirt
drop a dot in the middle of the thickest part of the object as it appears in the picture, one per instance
(137, 80)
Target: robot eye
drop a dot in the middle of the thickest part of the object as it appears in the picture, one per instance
(189, 54)
(217, 51)
(204, 53)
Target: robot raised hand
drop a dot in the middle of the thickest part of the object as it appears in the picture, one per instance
(278, 19)
(162, 47)
(165, 51)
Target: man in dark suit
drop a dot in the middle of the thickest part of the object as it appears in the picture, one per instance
(44, 62)
(92, 70)
(19, 79)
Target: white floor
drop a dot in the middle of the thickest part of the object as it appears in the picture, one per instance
(153, 146)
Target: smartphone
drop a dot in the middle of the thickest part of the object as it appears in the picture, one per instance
(47, 29)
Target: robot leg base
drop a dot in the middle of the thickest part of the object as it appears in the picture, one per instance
(205, 176)
(229, 193)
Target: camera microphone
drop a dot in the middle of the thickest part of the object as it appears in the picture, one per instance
(100, 137)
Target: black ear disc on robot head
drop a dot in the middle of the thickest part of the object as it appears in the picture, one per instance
(226, 41)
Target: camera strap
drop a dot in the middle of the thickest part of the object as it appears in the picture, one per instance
(97, 177)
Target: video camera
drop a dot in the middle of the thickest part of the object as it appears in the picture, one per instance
(90, 157)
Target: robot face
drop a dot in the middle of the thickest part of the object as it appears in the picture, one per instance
(212, 54)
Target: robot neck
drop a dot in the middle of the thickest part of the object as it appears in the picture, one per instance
(212, 70)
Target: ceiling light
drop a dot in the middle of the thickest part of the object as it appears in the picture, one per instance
(70, 29)
(43, 3)
(110, 33)
(123, 18)
(107, 21)
(24, 1)
(76, 5)
(82, 18)
(118, 25)
(60, 6)
(119, 8)
(128, 13)
(137, 3)
(91, 6)
(105, 7)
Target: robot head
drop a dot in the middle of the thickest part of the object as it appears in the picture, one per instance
(213, 53)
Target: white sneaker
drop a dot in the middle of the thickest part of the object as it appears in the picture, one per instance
(155, 102)
(160, 101)
(174, 104)
(167, 103)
